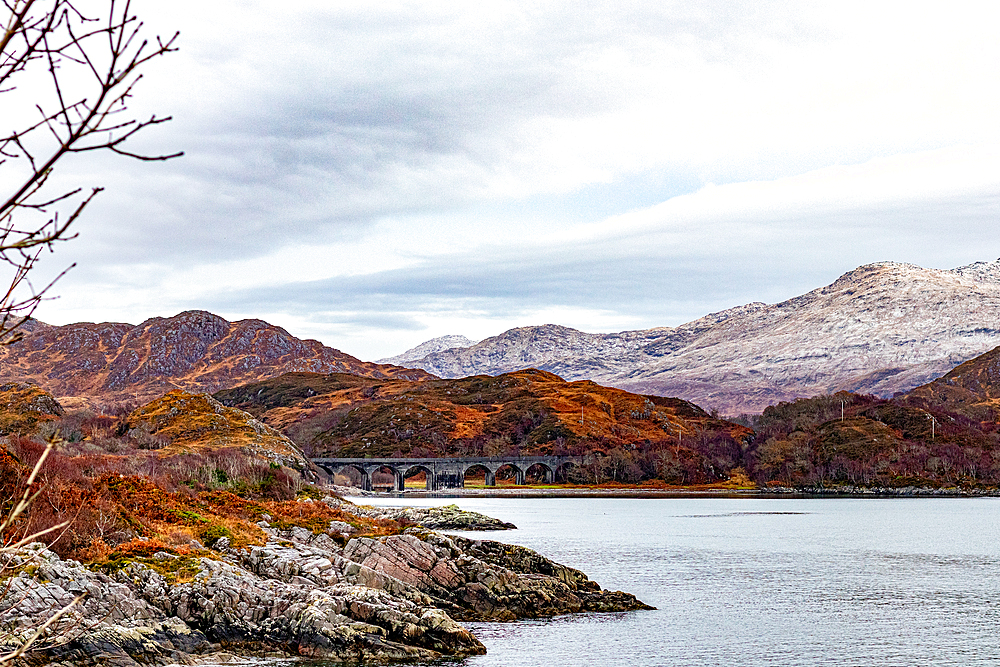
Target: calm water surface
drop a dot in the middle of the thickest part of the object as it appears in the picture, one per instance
(759, 581)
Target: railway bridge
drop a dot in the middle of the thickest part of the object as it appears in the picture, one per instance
(449, 473)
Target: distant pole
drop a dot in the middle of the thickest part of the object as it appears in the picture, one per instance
(933, 422)
(841, 409)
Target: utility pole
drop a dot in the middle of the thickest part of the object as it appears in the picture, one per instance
(841, 409)
(933, 423)
(678, 451)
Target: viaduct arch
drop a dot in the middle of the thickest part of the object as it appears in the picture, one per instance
(447, 473)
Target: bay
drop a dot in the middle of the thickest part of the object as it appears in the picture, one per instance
(744, 581)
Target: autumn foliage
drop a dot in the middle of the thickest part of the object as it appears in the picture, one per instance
(624, 437)
(123, 500)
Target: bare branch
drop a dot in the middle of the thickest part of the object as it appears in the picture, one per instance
(91, 66)
(26, 646)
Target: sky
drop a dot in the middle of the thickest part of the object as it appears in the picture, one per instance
(373, 175)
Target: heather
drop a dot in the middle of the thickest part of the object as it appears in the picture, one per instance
(126, 491)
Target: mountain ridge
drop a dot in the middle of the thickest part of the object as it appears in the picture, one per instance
(881, 328)
(194, 351)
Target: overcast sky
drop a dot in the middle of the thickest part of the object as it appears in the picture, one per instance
(377, 174)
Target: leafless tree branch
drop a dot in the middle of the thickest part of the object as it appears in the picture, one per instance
(66, 79)
(89, 66)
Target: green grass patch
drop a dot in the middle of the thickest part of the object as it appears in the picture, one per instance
(175, 570)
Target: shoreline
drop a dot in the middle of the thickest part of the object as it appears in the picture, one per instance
(638, 492)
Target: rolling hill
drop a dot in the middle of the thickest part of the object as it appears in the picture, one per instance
(527, 412)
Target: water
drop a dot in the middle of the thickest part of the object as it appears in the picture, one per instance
(760, 581)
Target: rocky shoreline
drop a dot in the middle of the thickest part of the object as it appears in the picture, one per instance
(449, 517)
(331, 595)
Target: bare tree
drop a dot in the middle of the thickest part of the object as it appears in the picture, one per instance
(66, 78)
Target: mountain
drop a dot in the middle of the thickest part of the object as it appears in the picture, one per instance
(195, 351)
(439, 344)
(882, 328)
(526, 412)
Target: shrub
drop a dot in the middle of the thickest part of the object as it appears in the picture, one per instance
(212, 532)
(140, 548)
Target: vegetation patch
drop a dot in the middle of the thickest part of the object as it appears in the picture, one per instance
(123, 507)
(176, 568)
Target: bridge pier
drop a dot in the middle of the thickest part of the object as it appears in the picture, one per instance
(443, 473)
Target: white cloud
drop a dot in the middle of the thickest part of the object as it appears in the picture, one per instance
(431, 146)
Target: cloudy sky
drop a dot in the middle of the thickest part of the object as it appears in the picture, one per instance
(377, 174)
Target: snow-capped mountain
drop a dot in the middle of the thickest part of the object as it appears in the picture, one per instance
(439, 344)
(881, 328)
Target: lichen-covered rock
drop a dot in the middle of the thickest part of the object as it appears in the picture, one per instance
(108, 624)
(235, 607)
(450, 517)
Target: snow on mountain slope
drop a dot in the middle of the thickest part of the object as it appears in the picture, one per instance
(439, 344)
(881, 328)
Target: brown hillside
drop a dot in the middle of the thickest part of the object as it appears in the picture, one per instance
(174, 475)
(972, 388)
(194, 351)
(528, 412)
(941, 434)
(197, 422)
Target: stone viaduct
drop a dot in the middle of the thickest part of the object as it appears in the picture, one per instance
(448, 473)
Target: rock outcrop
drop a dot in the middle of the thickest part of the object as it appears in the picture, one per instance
(23, 406)
(390, 598)
(449, 517)
(485, 580)
(882, 328)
